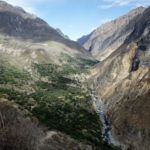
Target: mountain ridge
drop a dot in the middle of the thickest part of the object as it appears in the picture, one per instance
(54, 85)
(17, 23)
(122, 81)
(109, 36)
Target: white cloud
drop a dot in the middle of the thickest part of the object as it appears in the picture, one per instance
(115, 3)
(27, 2)
(104, 6)
(30, 5)
(105, 20)
(30, 10)
(119, 2)
(146, 4)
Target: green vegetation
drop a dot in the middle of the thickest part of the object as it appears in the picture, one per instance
(74, 65)
(64, 105)
(58, 101)
(11, 75)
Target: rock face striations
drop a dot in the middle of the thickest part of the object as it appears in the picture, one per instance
(110, 36)
(123, 83)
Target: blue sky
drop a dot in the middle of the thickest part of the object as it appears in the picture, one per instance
(78, 17)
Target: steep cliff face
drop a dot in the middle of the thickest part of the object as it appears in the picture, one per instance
(123, 82)
(110, 36)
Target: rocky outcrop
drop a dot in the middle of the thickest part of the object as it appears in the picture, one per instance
(110, 36)
(123, 84)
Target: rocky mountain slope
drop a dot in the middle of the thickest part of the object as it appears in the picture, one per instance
(110, 36)
(15, 22)
(42, 85)
(122, 81)
(62, 34)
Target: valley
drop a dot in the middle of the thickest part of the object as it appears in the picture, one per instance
(58, 94)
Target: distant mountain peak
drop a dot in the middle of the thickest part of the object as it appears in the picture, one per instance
(111, 35)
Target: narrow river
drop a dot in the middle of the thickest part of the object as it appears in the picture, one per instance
(100, 109)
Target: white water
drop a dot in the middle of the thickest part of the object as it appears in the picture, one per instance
(101, 111)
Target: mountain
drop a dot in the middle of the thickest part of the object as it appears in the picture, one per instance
(110, 36)
(22, 25)
(55, 95)
(122, 81)
(44, 99)
(62, 34)
(24, 31)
